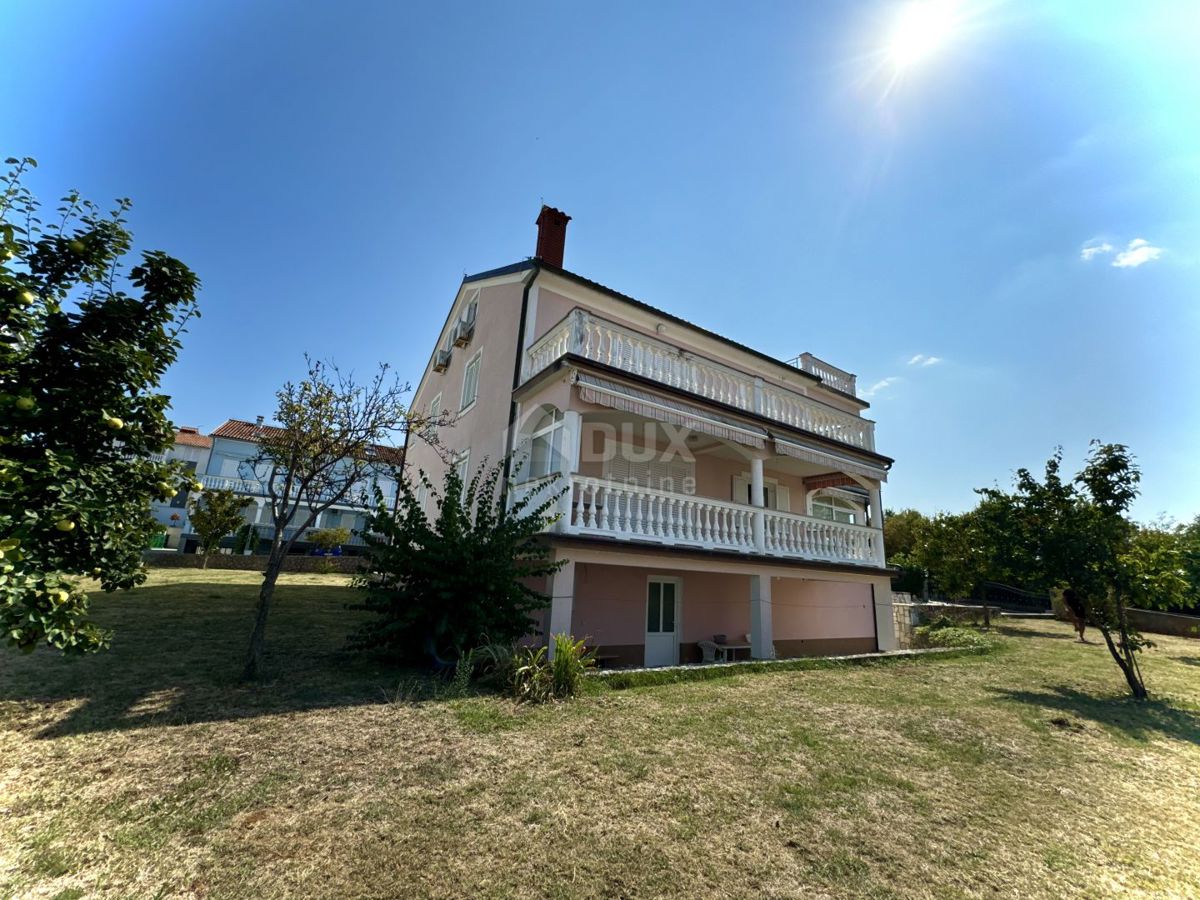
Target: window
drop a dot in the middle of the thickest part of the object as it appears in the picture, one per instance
(545, 447)
(676, 475)
(835, 509)
(461, 461)
(470, 382)
(435, 410)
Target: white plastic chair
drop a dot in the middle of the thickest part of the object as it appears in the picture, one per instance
(709, 649)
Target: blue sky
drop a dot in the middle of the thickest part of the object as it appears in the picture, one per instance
(331, 170)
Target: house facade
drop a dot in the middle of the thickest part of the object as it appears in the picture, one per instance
(716, 495)
(192, 449)
(226, 464)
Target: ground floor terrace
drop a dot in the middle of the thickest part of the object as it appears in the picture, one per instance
(642, 607)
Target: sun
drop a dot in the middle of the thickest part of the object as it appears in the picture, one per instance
(920, 29)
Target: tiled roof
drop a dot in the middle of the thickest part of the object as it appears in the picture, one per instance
(239, 430)
(191, 437)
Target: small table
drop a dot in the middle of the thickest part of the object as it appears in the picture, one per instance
(728, 652)
(603, 659)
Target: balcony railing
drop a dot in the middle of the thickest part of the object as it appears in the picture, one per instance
(838, 379)
(614, 345)
(611, 509)
(256, 488)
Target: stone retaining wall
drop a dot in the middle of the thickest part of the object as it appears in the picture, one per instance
(169, 559)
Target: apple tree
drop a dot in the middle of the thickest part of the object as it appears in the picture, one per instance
(84, 342)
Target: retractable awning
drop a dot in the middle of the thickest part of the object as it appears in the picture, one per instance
(834, 461)
(615, 395)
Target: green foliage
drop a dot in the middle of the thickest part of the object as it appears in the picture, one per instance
(246, 538)
(81, 358)
(328, 538)
(215, 514)
(949, 636)
(532, 680)
(571, 662)
(951, 549)
(1074, 533)
(441, 584)
(903, 531)
(324, 449)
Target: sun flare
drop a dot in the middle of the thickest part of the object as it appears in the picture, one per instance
(920, 29)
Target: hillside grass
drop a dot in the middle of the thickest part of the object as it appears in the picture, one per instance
(150, 771)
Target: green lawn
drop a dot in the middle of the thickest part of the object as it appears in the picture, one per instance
(149, 771)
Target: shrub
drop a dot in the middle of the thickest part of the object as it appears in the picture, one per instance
(437, 583)
(952, 636)
(531, 678)
(245, 539)
(327, 539)
(493, 662)
(571, 661)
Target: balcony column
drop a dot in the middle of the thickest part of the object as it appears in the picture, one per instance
(562, 602)
(756, 500)
(571, 435)
(762, 635)
(876, 502)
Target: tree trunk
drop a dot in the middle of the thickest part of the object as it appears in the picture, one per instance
(1128, 667)
(204, 564)
(254, 658)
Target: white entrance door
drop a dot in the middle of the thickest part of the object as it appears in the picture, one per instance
(662, 621)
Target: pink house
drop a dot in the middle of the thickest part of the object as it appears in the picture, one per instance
(722, 502)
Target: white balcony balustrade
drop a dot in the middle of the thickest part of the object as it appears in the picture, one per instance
(629, 512)
(610, 344)
(256, 488)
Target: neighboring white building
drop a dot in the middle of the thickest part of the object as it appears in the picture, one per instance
(192, 449)
(227, 467)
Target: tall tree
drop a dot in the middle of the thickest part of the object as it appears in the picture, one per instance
(445, 584)
(214, 515)
(84, 342)
(321, 452)
(1075, 534)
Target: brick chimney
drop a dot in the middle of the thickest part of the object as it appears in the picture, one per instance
(552, 235)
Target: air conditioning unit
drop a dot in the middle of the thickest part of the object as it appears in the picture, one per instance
(463, 332)
(441, 361)
(465, 329)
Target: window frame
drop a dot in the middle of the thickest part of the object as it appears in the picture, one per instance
(477, 361)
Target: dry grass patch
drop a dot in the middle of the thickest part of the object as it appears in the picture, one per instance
(150, 771)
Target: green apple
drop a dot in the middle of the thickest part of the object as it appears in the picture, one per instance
(27, 297)
(25, 403)
(77, 246)
(60, 596)
(114, 423)
(166, 489)
(197, 486)
(64, 525)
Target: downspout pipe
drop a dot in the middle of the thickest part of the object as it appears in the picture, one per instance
(517, 366)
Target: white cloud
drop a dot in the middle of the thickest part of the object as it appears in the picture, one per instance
(1094, 248)
(922, 360)
(880, 385)
(1138, 252)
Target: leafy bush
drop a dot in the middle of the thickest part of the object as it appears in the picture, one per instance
(571, 661)
(437, 584)
(328, 538)
(953, 636)
(531, 678)
(246, 538)
(494, 663)
(536, 678)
